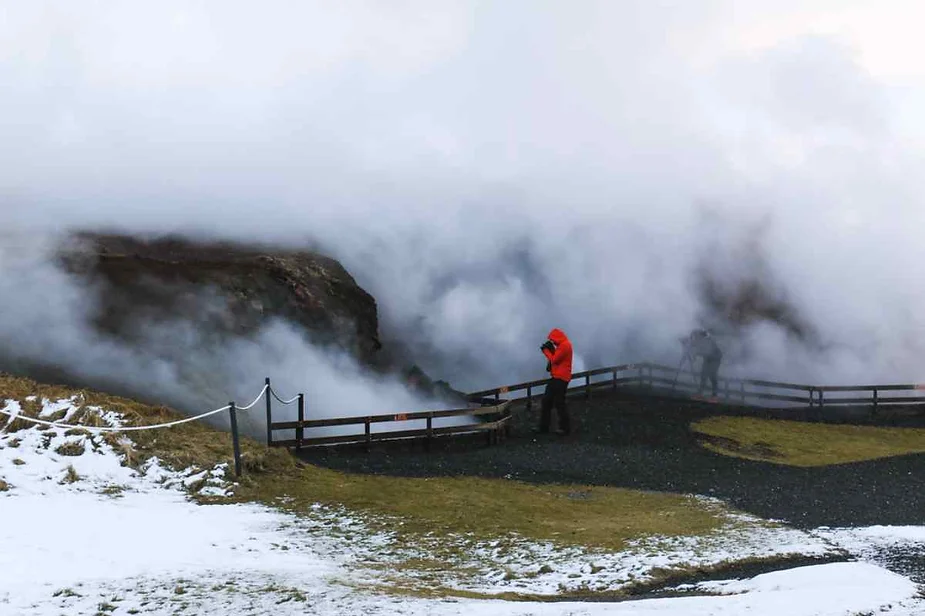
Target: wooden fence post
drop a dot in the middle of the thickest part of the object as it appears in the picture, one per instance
(430, 431)
(615, 379)
(269, 414)
(300, 431)
(234, 439)
(587, 387)
(874, 409)
(529, 398)
(369, 436)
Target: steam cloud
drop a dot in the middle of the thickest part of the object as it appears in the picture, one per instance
(621, 170)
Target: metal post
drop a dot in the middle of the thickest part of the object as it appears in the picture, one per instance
(300, 431)
(529, 398)
(615, 379)
(269, 415)
(874, 412)
(587, 387)
(368, 434)
(234, 439)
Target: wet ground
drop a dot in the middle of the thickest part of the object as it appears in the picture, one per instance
(640, 442)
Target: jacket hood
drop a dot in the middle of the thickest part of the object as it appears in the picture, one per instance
(557, 336)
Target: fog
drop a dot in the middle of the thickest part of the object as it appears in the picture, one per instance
(487, 171)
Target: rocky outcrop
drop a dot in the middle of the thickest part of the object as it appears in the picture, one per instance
(226, 288)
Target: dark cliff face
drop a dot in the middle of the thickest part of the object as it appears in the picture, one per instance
(226, 289)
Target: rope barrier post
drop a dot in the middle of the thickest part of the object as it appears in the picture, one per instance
(234, 439)
(300, 431)
(269, 415)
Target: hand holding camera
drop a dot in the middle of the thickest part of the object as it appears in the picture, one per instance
(548, 346)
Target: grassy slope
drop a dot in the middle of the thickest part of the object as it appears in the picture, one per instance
(605, 517)
(441, 515)
(806, 444)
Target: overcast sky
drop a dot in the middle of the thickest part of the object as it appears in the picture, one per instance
(489, 170)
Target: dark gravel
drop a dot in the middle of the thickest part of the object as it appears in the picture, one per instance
(639, 442)
(642, 442)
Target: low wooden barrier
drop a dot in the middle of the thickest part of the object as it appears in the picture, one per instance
(493, 416)
(730, 390)
(495, 427)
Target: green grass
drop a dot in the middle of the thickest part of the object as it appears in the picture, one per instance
(798, 443)
(602, 517)
(440, 517)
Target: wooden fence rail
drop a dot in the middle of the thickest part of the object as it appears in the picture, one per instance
(493, 416)
(495, 427)
(730, 390)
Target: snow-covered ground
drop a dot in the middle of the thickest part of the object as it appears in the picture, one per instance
(82, 534)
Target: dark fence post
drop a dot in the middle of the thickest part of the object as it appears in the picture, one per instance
(369, 436)
(300, 431)
(430, 431)
(587, 387)
(269, 415)
(615, 379)
(529, 398)
(874, 410)
(234, 439)
(642, 380)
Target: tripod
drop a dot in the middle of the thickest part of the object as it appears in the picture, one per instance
(687, 357)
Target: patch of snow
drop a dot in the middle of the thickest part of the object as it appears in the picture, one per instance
(124, 541)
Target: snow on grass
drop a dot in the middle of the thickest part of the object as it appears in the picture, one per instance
(530, 568)
(84, 533)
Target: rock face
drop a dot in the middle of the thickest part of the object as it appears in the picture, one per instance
(228, 288)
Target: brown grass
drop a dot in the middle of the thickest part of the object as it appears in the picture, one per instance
(798, 443)
(445, 514)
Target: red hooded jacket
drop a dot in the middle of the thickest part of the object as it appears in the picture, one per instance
(561, 359)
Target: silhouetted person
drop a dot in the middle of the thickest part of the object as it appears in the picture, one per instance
(558, 352)
(704, 346)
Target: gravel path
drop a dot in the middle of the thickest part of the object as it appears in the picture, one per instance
(638, 442)
(645, 443)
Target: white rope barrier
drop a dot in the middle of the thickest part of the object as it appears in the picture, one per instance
(100, 429)
(280, 400)
(256, 400)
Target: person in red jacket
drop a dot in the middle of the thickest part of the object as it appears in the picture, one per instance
(558, 352)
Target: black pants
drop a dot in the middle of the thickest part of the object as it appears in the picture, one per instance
(555, 397)
(710, 370)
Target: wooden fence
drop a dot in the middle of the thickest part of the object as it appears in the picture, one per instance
(493, 417)
(492, 421)
(746, 392)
